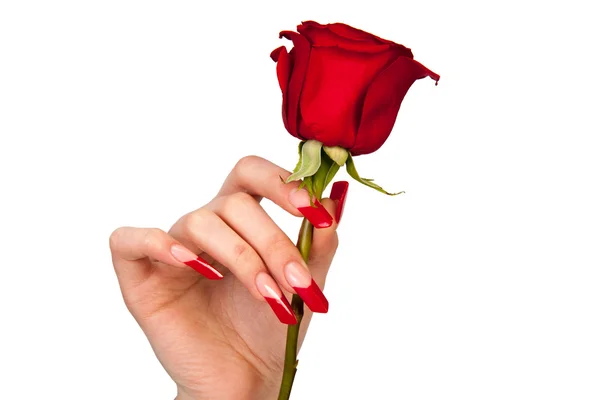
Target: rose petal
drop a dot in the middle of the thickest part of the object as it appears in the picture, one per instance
(323, 37)
(275, 53)
(284, 70)
(350, 32)
(301, 56)
(383, 100)
(345, 31)
(349, 38)
(318, 34)
(354, 33)
(334, 89)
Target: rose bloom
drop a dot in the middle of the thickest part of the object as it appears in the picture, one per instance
(343, 86)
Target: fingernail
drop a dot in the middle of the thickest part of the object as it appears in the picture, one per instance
(271, 292)
(197, 263)
(299, 277)
(317, 215)
(338, 192)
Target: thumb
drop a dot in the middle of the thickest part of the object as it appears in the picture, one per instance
(325, 240)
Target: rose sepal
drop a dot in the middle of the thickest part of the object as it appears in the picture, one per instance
(337, 154)
(324, 174)
(351, 169)
(309, 162)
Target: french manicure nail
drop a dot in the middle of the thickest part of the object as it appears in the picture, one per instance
(197, 263)
(271, 292)
(299, 277)
(338, 192)
(317, 215)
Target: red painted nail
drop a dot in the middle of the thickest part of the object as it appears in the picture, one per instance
(197, 263)
(282, 309)
(313, 297)
(317, 215)
(299, 277)
(202, 266)
(338, 192)
(279, 304)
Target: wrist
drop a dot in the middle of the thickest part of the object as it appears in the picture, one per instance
(183, 396)
(259, 392)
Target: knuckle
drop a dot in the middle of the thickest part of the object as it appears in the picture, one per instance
(244, 255)
(246, 163)
(152, 238)
(115, 238)
(237, 200)
(193, 221)
(245, 167)
(278, 244)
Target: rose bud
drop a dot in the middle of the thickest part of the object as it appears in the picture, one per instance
(342, 89)
(343, 86)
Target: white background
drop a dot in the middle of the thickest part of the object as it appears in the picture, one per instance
(481, 282)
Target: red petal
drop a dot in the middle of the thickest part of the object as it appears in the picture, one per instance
(275, 53)
(323, 37)
(356, 34)
(348, 38)
(301, 56)
(284, 70)
(383, 100)
(333, 93)
(345, 31)
(349, 32)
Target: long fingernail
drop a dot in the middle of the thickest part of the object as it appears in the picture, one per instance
(317, 215)
(271, 292)
(300, 279)
(197, 263)
(338, 192)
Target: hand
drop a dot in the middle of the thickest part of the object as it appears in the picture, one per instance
(210, 325)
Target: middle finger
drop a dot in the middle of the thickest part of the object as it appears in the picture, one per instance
(283, 260)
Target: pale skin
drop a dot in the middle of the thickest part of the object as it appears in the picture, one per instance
(219, 339)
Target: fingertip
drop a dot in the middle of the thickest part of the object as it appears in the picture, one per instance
(294, 196)
(330, 206)
(312, 210)
(200, 265)
(339, 190)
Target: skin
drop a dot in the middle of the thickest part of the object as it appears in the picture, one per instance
(219, 339)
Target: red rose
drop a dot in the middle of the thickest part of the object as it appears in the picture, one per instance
(343, 86)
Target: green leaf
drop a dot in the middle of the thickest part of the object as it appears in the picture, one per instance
(330, 175)
(310, 161)
(324, 175)
(351, 169)
(297, 167)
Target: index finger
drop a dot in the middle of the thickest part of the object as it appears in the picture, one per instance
(261, 178)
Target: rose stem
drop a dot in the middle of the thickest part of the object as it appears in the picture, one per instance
(291, 344)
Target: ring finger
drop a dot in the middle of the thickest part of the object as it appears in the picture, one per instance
(283, 260)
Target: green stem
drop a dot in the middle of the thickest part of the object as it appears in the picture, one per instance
(315, 184)
(291, 344)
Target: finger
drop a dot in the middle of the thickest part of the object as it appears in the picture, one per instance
(134, 248)
(262, 178)
(339, 190)
(204, 231)
(325, 241)
(283, 260)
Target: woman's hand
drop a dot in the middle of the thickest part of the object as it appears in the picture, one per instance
(218, 327)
